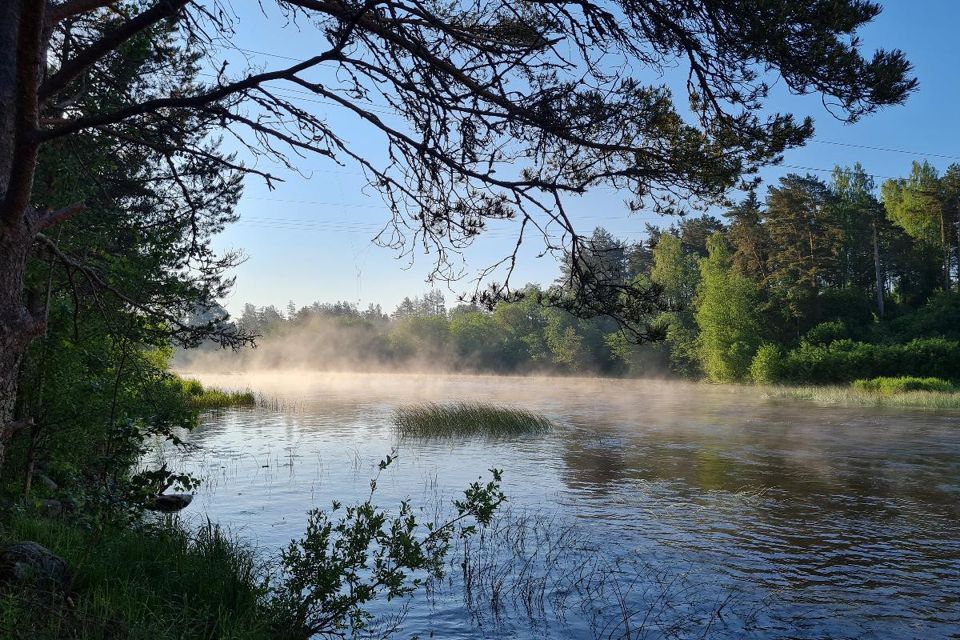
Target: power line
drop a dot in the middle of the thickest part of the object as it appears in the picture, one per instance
(887, 149)
(838, 143)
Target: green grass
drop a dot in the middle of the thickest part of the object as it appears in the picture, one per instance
(851, 396)
(203, 398)
(464, 419)
(158, 583)
(903, 384)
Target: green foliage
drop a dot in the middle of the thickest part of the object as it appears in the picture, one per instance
(100, 399)
(843, 361)
(726, 314)
(767, 365)
(465, 419)
(344, 562)
(903, 383)
(826, 332)
(939, 317)
(916, 204)
(156, 582)
(676, 271)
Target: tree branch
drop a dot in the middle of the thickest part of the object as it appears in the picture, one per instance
(72, 68)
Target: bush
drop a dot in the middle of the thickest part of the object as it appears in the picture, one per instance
(890, 386)
(767, 365)
(855, 307)
(844, 361)
(827, 332)
(940, 317)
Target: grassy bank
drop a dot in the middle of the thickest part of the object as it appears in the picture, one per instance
(203, 398)
(865, 397)
(465, 419)
(155, 583)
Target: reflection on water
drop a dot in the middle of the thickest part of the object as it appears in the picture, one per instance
(811, 522)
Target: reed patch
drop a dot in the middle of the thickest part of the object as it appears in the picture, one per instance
(465, 419)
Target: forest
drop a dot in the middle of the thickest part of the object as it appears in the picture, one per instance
(129, 130)
(805, 281)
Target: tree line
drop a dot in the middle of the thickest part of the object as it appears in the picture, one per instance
(781, 286)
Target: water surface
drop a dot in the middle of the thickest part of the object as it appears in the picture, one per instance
(703, 511)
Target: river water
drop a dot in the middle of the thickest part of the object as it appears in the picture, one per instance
(653, 510)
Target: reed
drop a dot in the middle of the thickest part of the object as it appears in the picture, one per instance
(204, 398)
(464, 419)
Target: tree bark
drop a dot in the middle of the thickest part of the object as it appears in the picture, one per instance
(878, 272)
(18, 325)
(945, 243)
(21, 34)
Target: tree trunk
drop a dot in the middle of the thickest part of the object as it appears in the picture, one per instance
(945, 243)
(21, 31)
(18, 325)
(878, 273)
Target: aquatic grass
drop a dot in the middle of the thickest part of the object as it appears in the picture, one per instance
(464, 419)
(858, 397)
(533, 568)
(204, 398)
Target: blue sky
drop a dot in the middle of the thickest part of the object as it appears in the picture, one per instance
(311, 238)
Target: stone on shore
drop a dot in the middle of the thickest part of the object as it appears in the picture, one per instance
(31, 564)
(171, 502)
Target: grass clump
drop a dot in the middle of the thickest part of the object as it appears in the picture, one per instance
(463, 419)
(887, 385)
(203, 398)
(155, 582)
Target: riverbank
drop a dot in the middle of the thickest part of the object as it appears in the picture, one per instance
(853, 397)
(147, 581)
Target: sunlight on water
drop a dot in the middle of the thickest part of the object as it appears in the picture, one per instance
(709, 512)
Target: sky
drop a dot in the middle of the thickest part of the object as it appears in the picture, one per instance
(311, 238)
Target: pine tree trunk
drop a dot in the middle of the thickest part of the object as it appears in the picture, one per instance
(21, 23)
(18, 325)
(878, 272)
(945, 243)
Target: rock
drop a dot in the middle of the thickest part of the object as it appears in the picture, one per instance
(171, 502)
(52, 508)
(28, 563)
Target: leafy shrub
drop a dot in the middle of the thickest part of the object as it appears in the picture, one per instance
(767, 365)
(347, 559)
(889, 386)
(854, 306)
(827, 332)
(843, 361)
(940, 317)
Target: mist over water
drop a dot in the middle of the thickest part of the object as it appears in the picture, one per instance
(720, 513)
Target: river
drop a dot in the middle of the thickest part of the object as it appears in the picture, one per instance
(652, 510)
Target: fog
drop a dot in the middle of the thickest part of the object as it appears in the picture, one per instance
(423, 344)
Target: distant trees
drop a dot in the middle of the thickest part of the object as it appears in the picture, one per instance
(810, 270)
(431, 304)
